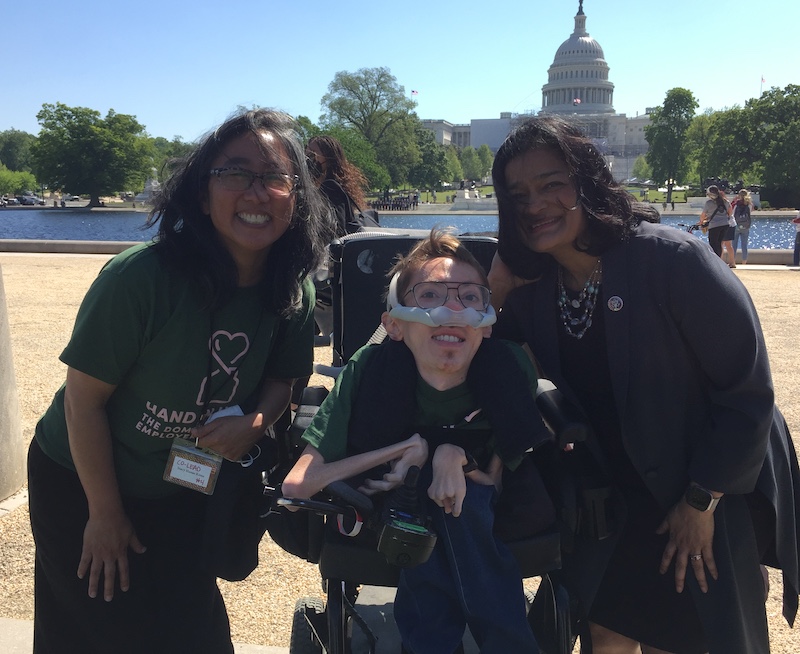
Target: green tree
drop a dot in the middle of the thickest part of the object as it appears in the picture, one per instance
(731, 152)
(15, 149)
(432, 168)
(372, 102)
(641, 169)
(455, 171)
(774, 122)
(487, 159)
(471, 163)
(398, 151)
(167, 152)
(16, 182)
(307, 128)
(698, 147)
(361, 154)
(81, 152)
(666, 136)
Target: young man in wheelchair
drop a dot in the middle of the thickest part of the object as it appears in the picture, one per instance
(441, 395)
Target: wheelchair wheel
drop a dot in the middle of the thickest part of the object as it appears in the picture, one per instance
(307, 623)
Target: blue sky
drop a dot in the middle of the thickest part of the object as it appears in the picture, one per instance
(182, 67)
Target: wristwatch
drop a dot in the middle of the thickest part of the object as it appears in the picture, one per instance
(699, 498)
(471, 463)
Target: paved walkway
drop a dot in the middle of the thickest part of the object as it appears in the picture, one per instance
(16, 637)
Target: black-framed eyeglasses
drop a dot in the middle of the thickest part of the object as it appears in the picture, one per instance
(429, 295)
(239, 179)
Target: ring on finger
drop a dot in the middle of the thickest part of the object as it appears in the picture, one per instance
(696, 557)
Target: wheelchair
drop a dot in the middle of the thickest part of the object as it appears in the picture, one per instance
(351, 567)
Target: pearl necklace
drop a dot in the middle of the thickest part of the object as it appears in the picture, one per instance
(575, 321)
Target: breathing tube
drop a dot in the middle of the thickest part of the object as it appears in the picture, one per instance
(439, 316)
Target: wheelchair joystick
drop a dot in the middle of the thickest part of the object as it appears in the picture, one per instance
(405, 537)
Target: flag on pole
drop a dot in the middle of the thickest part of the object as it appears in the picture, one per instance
(762, 79)
(576, 101)
(414, 92)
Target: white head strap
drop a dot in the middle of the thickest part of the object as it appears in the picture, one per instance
(439, 316)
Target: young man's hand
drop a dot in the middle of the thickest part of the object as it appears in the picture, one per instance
(492, 476)
(449, 485)
(414, 454)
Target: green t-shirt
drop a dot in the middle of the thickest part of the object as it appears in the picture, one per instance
(451, 408)
(144, 329)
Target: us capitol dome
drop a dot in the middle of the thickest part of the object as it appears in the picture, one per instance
(579, 89)
(577, 81)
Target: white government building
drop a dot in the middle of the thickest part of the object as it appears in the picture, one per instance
(577, 86)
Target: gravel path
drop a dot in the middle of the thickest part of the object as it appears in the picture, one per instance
(43, 293)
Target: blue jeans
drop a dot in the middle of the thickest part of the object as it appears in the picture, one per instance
(471, 579)
(744, 235)
(796, 259)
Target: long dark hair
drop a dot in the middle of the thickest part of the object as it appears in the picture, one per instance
(348, 175)
(611, 211)
(188, 241)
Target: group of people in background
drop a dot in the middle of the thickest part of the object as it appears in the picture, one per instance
(728, 223)
(217, 314)
(396, 202)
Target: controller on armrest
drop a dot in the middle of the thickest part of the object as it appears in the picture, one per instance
(406, 538)
(404, 534)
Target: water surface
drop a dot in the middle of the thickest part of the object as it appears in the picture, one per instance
(768, 232)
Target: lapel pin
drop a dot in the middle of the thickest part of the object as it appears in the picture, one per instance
(615, 303)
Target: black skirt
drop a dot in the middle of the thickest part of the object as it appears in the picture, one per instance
(173, 605)
(633, 599)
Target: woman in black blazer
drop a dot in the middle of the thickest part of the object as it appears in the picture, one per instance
(624, 315)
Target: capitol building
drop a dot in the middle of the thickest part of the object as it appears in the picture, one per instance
(578, 86)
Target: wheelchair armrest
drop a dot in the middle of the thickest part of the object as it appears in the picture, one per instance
(309, 405)
(561, 415)
(342, 492)
(539, 554)
(328, 371)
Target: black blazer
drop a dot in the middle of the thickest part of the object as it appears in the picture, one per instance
(694, 394)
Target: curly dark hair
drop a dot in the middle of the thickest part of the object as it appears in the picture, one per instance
(189, 243)
(611, 211)
(348, 175)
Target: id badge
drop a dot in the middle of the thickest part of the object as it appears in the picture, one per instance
(193, 467)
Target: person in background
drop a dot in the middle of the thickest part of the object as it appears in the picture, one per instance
(715, 214)
(742, 207)
(796, 257)
(342, 184)
(728, 252)
(340, 181)
(704, 468)
(214, 315)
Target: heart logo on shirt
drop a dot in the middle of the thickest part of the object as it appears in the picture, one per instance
(226, 350)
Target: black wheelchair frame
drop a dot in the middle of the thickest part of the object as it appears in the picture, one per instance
(360, 262)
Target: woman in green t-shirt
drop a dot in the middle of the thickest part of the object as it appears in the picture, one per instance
(214, 315)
